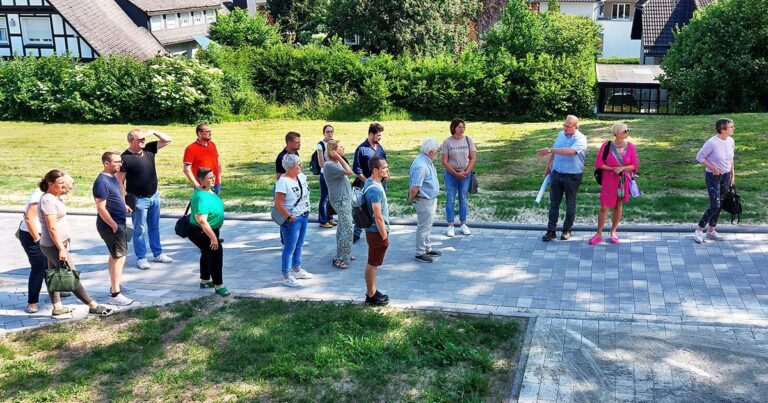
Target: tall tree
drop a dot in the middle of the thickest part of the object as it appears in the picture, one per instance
(719, 61)
(302, 18)
(416, 27)
(238, 28)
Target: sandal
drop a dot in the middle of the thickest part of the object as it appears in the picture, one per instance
(223, 291)
(208, 284)
(62, 311)
(614, 239)
(31, 309)
(595, 240)
(101, 310)
(340, 264)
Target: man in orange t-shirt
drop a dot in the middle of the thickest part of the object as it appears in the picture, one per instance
(202, 153)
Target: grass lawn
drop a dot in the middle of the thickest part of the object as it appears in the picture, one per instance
(257, 349)
(509, 171)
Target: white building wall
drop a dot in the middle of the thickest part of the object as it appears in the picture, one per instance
(583, 9)
(616, 39)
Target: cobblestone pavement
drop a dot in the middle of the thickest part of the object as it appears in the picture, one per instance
(654, 318)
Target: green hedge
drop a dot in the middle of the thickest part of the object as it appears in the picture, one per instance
(619, 60)
(110, 89)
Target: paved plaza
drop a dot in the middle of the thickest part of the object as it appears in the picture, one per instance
(655, 318)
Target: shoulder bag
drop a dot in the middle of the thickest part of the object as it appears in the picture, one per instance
(599, 172)
(62, 278)
(732, 204)
(183, 223)
(280, 219)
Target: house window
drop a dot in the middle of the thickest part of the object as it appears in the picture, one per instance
(210, 16)
(198, 18)
(171, 21)
(156, 23)
(353, 40)
(601, 11)
(3, 31)
(36, 31)
(185, 19)
(620, 11)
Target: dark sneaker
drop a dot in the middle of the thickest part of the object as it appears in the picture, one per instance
(355, 238)
(566, 235)
(424, 258)
(382, 296)
(434, 253)
(550, 235)
(377, 299)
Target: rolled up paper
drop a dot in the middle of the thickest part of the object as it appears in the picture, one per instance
(542, 189)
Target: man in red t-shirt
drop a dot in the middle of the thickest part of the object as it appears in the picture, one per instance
(202, 153)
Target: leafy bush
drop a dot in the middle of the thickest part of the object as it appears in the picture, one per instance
(239, 28)
(110, 89)
(719, 61)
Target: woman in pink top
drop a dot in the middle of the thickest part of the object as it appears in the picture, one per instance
(619, 166)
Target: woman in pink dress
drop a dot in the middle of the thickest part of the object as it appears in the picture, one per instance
(619, 166)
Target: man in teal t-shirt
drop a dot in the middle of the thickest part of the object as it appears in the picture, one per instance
(377, 234)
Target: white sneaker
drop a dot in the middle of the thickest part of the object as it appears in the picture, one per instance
(698, 236)
(302, 274)
(465, 230)
(714, 235)
(143, 264)
(450, 232)
(291, 282)
(120, 300)
(163, 258)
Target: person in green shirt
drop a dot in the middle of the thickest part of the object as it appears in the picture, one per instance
(207, 218)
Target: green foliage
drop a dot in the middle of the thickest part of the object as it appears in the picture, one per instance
(719, 61)
(618, 60)
(239, 28)
(110, 89)
(553, 6)
(303, 18)
(415, 27)
(518, 32)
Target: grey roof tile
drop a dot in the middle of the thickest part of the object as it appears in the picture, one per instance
(659, 19)
(104, 25)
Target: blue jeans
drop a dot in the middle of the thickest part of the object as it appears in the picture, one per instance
(293, 238)
(454, 185)
(38, 263)
(717, 186)
(146, 219)
(322, 208)
(563, 184)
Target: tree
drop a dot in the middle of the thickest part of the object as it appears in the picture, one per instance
(415, 27)
(238, 29)
(553, 6)
(303, 18)
(518, 31)
(719, 61)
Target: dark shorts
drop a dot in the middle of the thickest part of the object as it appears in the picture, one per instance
(117, 242)
(377, 248)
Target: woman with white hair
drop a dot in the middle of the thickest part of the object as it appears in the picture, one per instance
(618, 166)
(292, 201)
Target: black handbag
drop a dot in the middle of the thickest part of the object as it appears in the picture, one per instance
(599, 172)
(473, 183)
(62, 278)
(183, 223)
(732, 204)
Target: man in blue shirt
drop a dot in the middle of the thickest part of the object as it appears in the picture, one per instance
(360, 166)
(110, 222)
(423, 195)
(377, 235)
(565, 167)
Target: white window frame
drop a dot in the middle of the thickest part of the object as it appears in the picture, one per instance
(171, 21)
(210, 16)
(36, 39)
(353, 41)
(198, 18)
(4, 31)
(185, 19)
(620, 12)
(156, 23)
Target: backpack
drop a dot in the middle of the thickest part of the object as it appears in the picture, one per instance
(732, 204)
(360, 215)
(314, 164)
